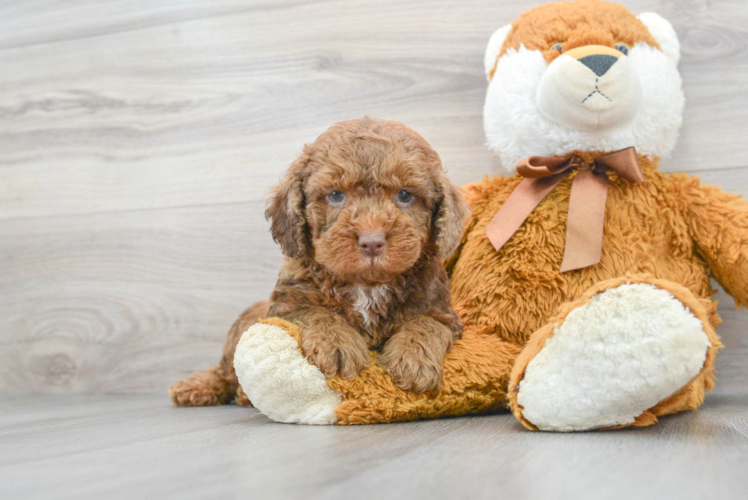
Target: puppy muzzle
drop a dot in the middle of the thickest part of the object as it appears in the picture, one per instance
(370, 245)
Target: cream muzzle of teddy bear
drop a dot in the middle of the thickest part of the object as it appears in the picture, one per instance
(590, 88)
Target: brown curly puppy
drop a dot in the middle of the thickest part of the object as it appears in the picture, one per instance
(364, 217)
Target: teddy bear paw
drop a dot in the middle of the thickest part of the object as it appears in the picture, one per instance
(280, 381)
(611, 359)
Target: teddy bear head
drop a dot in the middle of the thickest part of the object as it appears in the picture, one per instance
(586, 75)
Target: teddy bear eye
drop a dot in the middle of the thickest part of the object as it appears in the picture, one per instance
(622, 48)
(403, 196)
(558, 47)
(336, 197)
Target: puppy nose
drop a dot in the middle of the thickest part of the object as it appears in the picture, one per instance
(372, 244)
(599, 63)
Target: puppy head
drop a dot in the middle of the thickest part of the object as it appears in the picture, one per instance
(366, 200)
(584, 75)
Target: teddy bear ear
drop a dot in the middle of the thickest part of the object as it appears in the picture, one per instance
(662, 31)
(494, 47)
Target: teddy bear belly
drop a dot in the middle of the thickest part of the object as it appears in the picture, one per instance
(513, 292)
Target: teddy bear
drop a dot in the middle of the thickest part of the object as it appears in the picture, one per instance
(583, 275)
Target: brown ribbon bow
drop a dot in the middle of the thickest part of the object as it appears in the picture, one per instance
(589, 190)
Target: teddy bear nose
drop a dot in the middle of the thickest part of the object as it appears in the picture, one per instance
(599, 63)
(372, 244)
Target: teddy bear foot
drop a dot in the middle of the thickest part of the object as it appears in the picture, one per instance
(279, 380)
(618, 357)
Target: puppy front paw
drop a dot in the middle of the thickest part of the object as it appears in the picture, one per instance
(344, 355)
(411, 368)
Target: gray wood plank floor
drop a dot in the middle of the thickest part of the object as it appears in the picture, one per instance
(140, 447)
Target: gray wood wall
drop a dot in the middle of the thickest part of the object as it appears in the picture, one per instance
(138, 140)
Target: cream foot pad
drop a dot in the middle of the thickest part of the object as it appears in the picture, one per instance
(611, 359)
(279, 380)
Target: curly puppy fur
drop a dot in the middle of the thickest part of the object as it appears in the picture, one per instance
(364, 217)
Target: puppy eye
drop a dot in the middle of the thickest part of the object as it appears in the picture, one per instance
(622, 48)
(557, 47)
(404, 196)
(336, 197)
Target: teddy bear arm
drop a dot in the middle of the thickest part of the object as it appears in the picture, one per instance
(718, 222)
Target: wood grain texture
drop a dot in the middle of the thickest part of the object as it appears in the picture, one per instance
(138, 140)
(78, 447)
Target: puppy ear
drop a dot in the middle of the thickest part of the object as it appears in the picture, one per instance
(662, 31)
(450, 213)
(285, 211)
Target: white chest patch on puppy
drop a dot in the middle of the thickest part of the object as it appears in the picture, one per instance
(370, 302)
